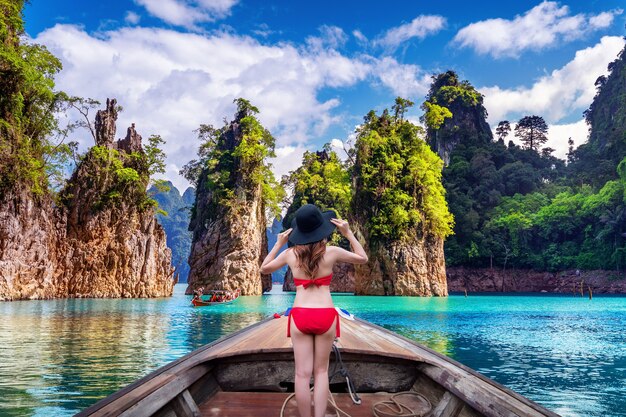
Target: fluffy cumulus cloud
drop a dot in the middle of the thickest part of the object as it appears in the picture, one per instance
(543, 26)
(132, 18)
(560, 93)
(188, 13)
(420, 27)
(406, 80)
(170, 82)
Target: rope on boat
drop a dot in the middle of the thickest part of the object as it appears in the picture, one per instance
(395, 408)
(343, 371)
(392, 405)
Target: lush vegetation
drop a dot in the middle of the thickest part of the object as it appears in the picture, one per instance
(34, 154)
(323, 180)
(522, 207)
(110, 177)
(232, 163)
(31, 141)
(398, 190)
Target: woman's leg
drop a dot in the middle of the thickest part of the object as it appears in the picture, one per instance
(323, 346)
(303, 357)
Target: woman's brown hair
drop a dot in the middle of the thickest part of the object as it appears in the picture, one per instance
(309, 256)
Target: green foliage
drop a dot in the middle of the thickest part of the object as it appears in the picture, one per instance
(231, 165)
(398, 181)
(27, 104)
(481, 174)
(435, 115)
(323, 180)
(531, 131)
(594, 162)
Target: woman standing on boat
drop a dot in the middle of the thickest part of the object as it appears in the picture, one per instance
(313, 322)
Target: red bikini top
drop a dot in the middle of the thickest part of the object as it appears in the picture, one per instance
(306, 283)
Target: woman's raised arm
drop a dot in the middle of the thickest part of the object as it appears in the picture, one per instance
(358, 255)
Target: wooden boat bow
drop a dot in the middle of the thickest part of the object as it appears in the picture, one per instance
(255, 366)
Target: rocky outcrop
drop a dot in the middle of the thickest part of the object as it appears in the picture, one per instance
(343, 279)
(229, 233)
(461, 279)
(414, 267)
(29, 247)
(102, 241)
(468, 124)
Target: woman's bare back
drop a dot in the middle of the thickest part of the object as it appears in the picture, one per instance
(313, 296)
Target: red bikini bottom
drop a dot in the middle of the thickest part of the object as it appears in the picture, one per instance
(313, 320)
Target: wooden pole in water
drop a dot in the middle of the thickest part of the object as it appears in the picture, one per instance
(582, 291)
(590, 293)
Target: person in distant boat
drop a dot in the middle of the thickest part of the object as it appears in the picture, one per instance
(197, 295)
(313, 322)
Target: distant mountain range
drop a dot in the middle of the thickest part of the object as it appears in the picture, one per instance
(175, 223)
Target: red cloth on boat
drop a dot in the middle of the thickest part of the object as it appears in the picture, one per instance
(306, 283)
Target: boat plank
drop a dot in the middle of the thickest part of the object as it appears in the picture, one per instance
(449, 406)
(184, 406)
(157, 399)
(365, 340)
(253, 404)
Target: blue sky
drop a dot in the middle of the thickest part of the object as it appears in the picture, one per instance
(315, 68)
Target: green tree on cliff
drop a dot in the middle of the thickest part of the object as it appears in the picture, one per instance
(531, 131)
(28, 105)
(398, 190)
(323, 180)
(231, 162)
(503, 130)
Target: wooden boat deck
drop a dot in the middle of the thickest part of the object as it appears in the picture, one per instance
(254, 404)
(235, 376)
(273, 337)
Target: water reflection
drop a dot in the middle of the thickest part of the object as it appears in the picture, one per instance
(58, 357)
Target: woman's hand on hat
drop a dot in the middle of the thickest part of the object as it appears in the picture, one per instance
(342, 226)
(283, 237)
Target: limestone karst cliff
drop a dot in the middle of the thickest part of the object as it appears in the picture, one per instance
(466, 121)
(100, 240)
(115, 246)
(398, 211)
(229, 215)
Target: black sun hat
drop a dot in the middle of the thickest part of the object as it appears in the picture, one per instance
(311, 225)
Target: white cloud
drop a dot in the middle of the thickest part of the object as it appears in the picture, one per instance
(132, 17)
(188, 13)
(359, 36)
(330, 37)
(420, 27)
(406, 80)
(170, 82)
(558, 94)
(558, 136)
(543, 26)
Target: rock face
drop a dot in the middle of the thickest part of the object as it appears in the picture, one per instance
(468, 123)
(343, 279)
(88, 246)
(413, 268)
(522, 280)
(28, 247)
(229, 242)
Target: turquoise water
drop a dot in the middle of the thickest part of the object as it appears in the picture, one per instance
(569, 354)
